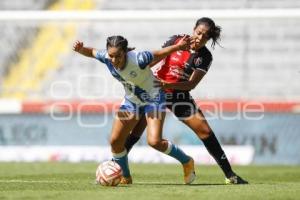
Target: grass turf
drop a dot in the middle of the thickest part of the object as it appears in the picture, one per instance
(151, 181)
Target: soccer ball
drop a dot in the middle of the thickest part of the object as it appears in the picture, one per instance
(108, 173)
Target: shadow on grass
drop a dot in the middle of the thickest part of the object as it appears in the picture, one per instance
(178, 184)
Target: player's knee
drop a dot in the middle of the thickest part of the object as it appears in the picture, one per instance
(154, 143)
(204, 133)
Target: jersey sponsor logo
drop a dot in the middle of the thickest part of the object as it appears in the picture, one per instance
(179, 53)
(132, 74)
(175, 59)
(179, 74)
(198, 61)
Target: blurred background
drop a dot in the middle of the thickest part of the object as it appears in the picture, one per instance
(56, 105)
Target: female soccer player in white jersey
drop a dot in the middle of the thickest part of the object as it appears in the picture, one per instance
(141, 98)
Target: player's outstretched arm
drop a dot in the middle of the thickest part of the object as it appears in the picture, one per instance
(183, 44)
(86, 51)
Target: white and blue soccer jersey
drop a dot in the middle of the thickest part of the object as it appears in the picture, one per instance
(137, 79)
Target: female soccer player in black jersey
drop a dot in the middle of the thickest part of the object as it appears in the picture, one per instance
(181, 72)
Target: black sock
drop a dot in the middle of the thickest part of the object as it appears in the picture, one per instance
(214, 148)
(130, 141)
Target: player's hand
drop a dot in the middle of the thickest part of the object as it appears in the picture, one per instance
(77, 46)
(184, 42)
(194, 40)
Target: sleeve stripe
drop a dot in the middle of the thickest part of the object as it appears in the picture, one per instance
(144, 59)
(150, 56)
(101, 55)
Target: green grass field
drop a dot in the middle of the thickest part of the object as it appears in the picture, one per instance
(151, 181)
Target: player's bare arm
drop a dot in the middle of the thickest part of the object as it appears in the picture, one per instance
(86, 51)
(158, 55)
(195, 78)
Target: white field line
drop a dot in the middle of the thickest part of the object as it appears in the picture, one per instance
(33, 181)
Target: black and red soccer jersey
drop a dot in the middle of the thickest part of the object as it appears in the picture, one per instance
(180, 65)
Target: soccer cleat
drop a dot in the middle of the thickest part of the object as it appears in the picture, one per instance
(235, 179)
(189, 171)
(126, 180)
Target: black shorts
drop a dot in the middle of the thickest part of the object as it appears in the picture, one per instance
(181, 104)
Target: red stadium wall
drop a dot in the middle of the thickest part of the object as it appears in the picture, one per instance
(102, 106)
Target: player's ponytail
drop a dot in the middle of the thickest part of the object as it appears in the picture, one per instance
(119, 42)
(214, 30)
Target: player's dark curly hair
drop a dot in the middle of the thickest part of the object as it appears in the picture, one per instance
(214, 30)
(119, 42)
